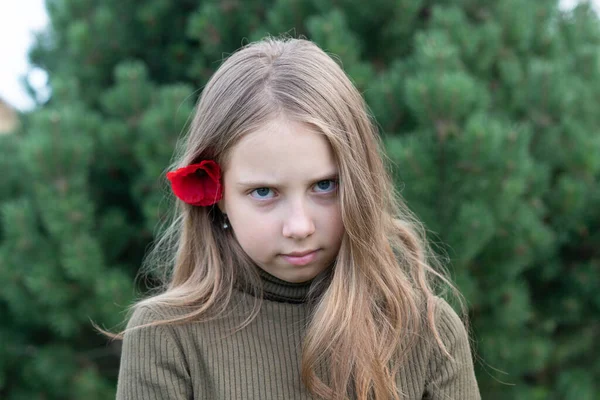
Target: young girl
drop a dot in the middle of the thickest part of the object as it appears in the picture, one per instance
(295, 270)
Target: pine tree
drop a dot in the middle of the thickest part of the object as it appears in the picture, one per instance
(501, 100)
(487, 110)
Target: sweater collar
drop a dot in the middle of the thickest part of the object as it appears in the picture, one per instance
(281, 291)
(276, 289)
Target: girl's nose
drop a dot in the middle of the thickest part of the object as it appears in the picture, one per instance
(298, 224)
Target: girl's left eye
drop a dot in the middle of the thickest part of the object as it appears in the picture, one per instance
(328, 185)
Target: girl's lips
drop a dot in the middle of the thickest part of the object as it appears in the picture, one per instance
(301, 260)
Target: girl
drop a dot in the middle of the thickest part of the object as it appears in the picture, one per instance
(296, 271)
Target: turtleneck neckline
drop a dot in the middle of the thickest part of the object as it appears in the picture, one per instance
(278, 290)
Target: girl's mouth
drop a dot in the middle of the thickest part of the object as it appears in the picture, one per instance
(302, 259)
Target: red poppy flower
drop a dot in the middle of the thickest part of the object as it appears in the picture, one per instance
(197, 184)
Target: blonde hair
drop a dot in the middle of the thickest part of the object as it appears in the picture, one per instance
(380, 297)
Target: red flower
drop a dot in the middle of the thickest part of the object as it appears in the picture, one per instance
(197, 184)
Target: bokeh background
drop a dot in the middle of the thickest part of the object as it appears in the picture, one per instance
(488, 109)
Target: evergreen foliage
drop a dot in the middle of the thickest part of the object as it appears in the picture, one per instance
(488, 111)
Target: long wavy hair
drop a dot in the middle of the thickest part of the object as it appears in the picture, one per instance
(381, 295)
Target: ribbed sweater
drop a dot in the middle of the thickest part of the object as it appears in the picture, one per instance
(262, 361)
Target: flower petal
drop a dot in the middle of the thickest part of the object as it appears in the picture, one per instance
(197, 184)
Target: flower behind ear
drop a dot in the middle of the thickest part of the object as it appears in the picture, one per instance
(197, 184)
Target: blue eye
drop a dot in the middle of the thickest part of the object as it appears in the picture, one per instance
(324, 186)
(327, 185)
(262, 193)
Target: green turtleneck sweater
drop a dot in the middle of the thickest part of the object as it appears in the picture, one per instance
(262, 361)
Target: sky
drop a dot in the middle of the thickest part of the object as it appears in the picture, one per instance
(19, 19)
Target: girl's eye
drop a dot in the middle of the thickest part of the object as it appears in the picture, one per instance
(328, 185)
(325, 186)
(262, 193)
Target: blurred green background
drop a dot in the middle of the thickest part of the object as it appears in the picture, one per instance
(489, 110)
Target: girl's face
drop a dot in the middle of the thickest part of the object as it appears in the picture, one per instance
(281, 196)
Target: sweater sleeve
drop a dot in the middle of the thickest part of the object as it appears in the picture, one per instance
(451, 379)
(152, 364)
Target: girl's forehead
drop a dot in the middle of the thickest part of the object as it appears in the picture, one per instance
(282, 150)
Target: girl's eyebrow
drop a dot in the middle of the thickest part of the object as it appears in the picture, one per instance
(266, 183)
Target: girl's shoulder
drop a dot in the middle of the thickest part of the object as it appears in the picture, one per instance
(150, 326)
(453, 333)
(449, 324)
(146, 313)
(450, 373)
(445, 314)
(153, 358)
